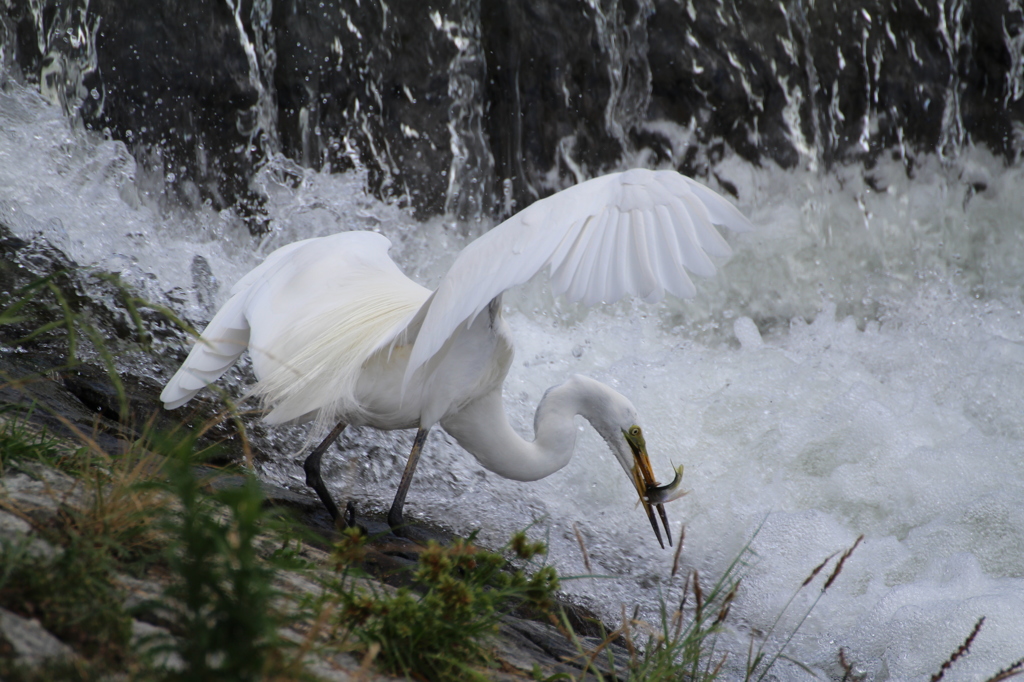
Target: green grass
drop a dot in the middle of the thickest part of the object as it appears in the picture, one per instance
(68, 589)
(438, 628)
(221, 600)
(683, 643)
(19, 442)
(71, 594)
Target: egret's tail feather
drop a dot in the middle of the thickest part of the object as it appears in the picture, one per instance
(215, 351)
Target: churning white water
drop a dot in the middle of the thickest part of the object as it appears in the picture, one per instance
(856, 368)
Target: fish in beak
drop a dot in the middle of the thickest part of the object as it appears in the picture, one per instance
(660, 494)
(651, 494)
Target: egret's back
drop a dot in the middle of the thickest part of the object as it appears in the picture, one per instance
(315, 312)
(310, 316)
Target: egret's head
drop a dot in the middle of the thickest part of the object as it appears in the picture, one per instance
(642, 475)
(616, 419)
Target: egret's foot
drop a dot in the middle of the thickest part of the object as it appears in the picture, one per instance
(397, 523)
(349, 520)
(316, 483)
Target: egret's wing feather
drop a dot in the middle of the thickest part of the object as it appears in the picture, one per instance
(216, 350)
(604, 285)
(721, 211)
(225, 338)
(269, 266)
(328, 308)
(625, 233)
(567, 244)
(693, 256)
(650, 288)
(578, 264)
(676, 279)
(310, 314)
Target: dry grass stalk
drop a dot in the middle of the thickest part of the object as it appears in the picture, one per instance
(817, 570)
(626, 629)
(679, 549)
(233, 414)
(847, 667)
(678, 625)
(611, 637)
(962, 650)
(727, 604)
(1013, 670)
(686, 592)
(718, 668)
(698, 594)
(757, 660)
(842, 560)
(116, 505)
(318, 626)
(583, 547)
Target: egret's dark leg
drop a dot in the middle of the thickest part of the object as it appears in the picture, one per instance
(395, 515)
(314, 481)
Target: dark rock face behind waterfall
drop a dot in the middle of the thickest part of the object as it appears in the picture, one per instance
(477, 108)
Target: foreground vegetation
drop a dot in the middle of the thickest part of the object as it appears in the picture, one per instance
(221, 553)
(144, 562)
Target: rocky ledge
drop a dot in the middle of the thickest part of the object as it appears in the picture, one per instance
(35, 496)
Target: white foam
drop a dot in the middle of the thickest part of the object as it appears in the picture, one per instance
(747, 334)
(830, 432)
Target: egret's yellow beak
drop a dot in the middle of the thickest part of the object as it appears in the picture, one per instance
(643, 479)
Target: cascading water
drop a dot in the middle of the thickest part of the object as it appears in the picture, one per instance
(857, 367)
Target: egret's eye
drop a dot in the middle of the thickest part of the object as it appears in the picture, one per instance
(634, 431)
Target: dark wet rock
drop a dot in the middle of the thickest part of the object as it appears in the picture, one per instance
(40, 493)
(82, 400)
(524, 643)
(66, 383)
(474, 108)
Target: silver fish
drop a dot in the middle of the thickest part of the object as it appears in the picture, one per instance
(660, 494)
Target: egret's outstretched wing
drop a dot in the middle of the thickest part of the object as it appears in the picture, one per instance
(310, 314)
(636, 232)
(224, 339)
(332, 305)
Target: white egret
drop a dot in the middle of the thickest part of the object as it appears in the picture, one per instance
(338, 334)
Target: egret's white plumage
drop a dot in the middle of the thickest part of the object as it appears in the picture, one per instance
(634, 233)
(337, 332)
(307, 351)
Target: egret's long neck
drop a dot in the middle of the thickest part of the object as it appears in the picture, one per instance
(482, 428)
